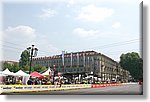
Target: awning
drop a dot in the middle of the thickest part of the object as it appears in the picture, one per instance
(21, 73)
(48, 72)
(7, 72)
(36, 74)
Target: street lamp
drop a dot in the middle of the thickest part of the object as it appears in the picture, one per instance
(33, 53)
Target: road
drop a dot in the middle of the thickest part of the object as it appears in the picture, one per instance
(128, 89)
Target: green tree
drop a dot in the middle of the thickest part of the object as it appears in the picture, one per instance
(15, 67)
(6, 65)
(24, 61)
(39, 68)
(12, 67)
(133, 63)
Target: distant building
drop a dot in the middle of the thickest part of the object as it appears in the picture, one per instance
(9, 62)
(85, 63)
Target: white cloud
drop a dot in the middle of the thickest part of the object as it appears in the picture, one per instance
(16, 39)
(45, 47)
(19, 37)
(47, 13)
(67, 15)
(20, 31)
(85, 33)
(116, 25)
(93, 13)
(70, 3)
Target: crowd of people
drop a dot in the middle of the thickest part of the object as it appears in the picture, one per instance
(43, 81)
(37, 81)
(11, 80)
(59, 80)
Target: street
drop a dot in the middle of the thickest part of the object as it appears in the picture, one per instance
(127, 89)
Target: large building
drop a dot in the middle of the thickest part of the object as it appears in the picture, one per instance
(85, 63)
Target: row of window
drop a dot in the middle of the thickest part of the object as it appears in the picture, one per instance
(70, 70)
(68, 64)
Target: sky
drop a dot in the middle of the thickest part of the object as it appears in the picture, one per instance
(110, 27)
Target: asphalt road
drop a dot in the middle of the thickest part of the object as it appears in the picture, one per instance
(128, 89)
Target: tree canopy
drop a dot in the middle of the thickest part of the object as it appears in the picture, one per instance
(12, 67)
(24, 60)
(133, 63)
(23, 64)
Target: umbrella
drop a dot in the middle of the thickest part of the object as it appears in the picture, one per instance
(36, 74)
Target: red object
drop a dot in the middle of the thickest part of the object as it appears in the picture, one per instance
(36, 74)
(140, 82)
(59, 74)
(50, 73)
(54, 67)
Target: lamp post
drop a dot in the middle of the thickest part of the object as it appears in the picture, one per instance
(33, 53)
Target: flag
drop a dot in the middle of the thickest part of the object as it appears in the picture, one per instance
(92, 60)
(71, 59)
(63, 63)
(88, 60)
(77, 58)
(84, 60)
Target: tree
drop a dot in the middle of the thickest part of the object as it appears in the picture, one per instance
(6, 65)
(15, 67)
(133, 63)
(24, 61)
(12, 67)
(39, 68)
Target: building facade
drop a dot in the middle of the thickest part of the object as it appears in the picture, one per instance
(86, 63)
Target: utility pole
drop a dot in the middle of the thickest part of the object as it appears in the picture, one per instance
(33, 53)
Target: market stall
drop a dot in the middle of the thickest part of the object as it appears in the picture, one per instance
(24, 76)
(36, 74)
(48, 72)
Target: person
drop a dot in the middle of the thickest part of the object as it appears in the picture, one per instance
(20, 82)
(29, 82)
(40, 81)
(36, 82)
(60, 82)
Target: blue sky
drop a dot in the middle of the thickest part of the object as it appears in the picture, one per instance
(110, 27)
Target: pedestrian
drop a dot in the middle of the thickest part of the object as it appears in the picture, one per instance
(36, 82)
(29, 82)
(60, 82)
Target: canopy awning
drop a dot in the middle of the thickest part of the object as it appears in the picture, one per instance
(21, 73)
(48, 72)
(36, 74)
(2, 74)
(7, 72)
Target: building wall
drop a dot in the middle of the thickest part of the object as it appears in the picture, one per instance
(88, 62)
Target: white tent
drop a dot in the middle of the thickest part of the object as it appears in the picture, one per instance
(7, 72)
(24, 75)
(21, 73)
(2, 74)
(48, 72)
